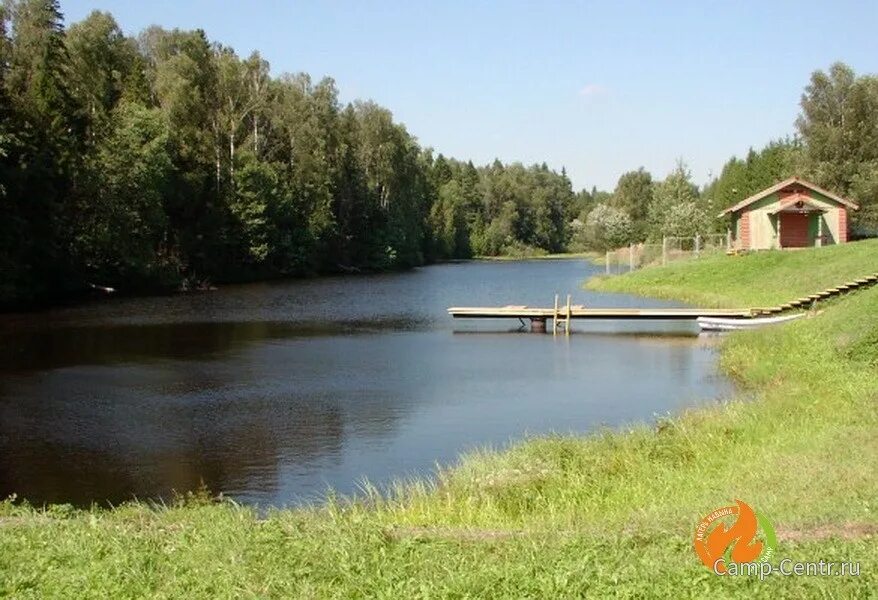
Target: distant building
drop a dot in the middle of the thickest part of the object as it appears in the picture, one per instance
(791, 214)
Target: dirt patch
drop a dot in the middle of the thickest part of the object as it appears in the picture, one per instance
(454, 534)
(844, 531)
(22, 521)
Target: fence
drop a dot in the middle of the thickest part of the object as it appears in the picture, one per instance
(636, 256)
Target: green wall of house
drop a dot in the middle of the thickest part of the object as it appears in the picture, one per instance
(763, 225)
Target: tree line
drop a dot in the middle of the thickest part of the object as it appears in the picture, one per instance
(166, 160)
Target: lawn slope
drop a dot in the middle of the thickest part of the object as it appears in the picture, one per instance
(759, 279)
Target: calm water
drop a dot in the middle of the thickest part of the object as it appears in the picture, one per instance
(272, 393)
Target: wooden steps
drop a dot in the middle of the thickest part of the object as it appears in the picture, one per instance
(807, 301)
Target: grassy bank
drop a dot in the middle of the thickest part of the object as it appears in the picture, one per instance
(762, 278)
(605, 515)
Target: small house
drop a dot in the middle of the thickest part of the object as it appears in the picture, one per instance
(791, 214)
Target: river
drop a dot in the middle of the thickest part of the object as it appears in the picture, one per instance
(273, 393)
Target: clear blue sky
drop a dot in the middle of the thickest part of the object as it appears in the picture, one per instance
(597, 87)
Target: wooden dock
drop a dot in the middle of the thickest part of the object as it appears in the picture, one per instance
(580, 312)
(561, 315)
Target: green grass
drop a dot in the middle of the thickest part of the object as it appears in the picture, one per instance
(759, 279)
(610, 514)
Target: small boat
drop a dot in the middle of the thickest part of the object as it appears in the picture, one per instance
(102, 288)
(721, 324)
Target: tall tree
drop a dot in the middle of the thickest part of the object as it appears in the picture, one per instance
(236, 102)
(840, 131)
(184, 86)
(39, 65)
(633, 194)
(123, 240)
(101, 58)
(256, 72)
(741, 178)
(674, 209)
(47, 147)
(11, 223)
(448, 222)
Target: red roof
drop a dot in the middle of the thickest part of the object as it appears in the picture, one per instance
(784, 184)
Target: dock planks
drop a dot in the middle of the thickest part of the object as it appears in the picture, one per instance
(577, 312)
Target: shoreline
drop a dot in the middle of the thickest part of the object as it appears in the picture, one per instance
(96, 297)
(607, 512)
(550, 256)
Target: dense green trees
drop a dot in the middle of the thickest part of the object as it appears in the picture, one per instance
(634, 196)
(676, 206)
(839, 129)
(605, 227)
(167, 159)
(741, 178)
(44, 140)
(523, 209)
(121, 223)
(641, 209)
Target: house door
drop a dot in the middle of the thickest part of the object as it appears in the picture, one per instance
(794, 230)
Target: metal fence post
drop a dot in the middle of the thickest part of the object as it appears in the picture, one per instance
(664, 250)
(697, 245)
(630, 257)
(608, 262)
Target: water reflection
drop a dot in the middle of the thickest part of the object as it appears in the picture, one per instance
(65, 345)
(270, 393)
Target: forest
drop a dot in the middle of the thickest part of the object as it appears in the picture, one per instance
(166, 161)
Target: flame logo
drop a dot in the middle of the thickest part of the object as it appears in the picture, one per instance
(712, 545)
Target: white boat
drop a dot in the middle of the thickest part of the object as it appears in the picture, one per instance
(723, 324)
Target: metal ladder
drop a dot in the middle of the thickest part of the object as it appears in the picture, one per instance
(561, 317)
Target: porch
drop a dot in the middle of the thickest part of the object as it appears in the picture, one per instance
(799, 223)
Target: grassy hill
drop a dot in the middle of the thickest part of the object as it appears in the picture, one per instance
(611, 514)
(759, 279)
